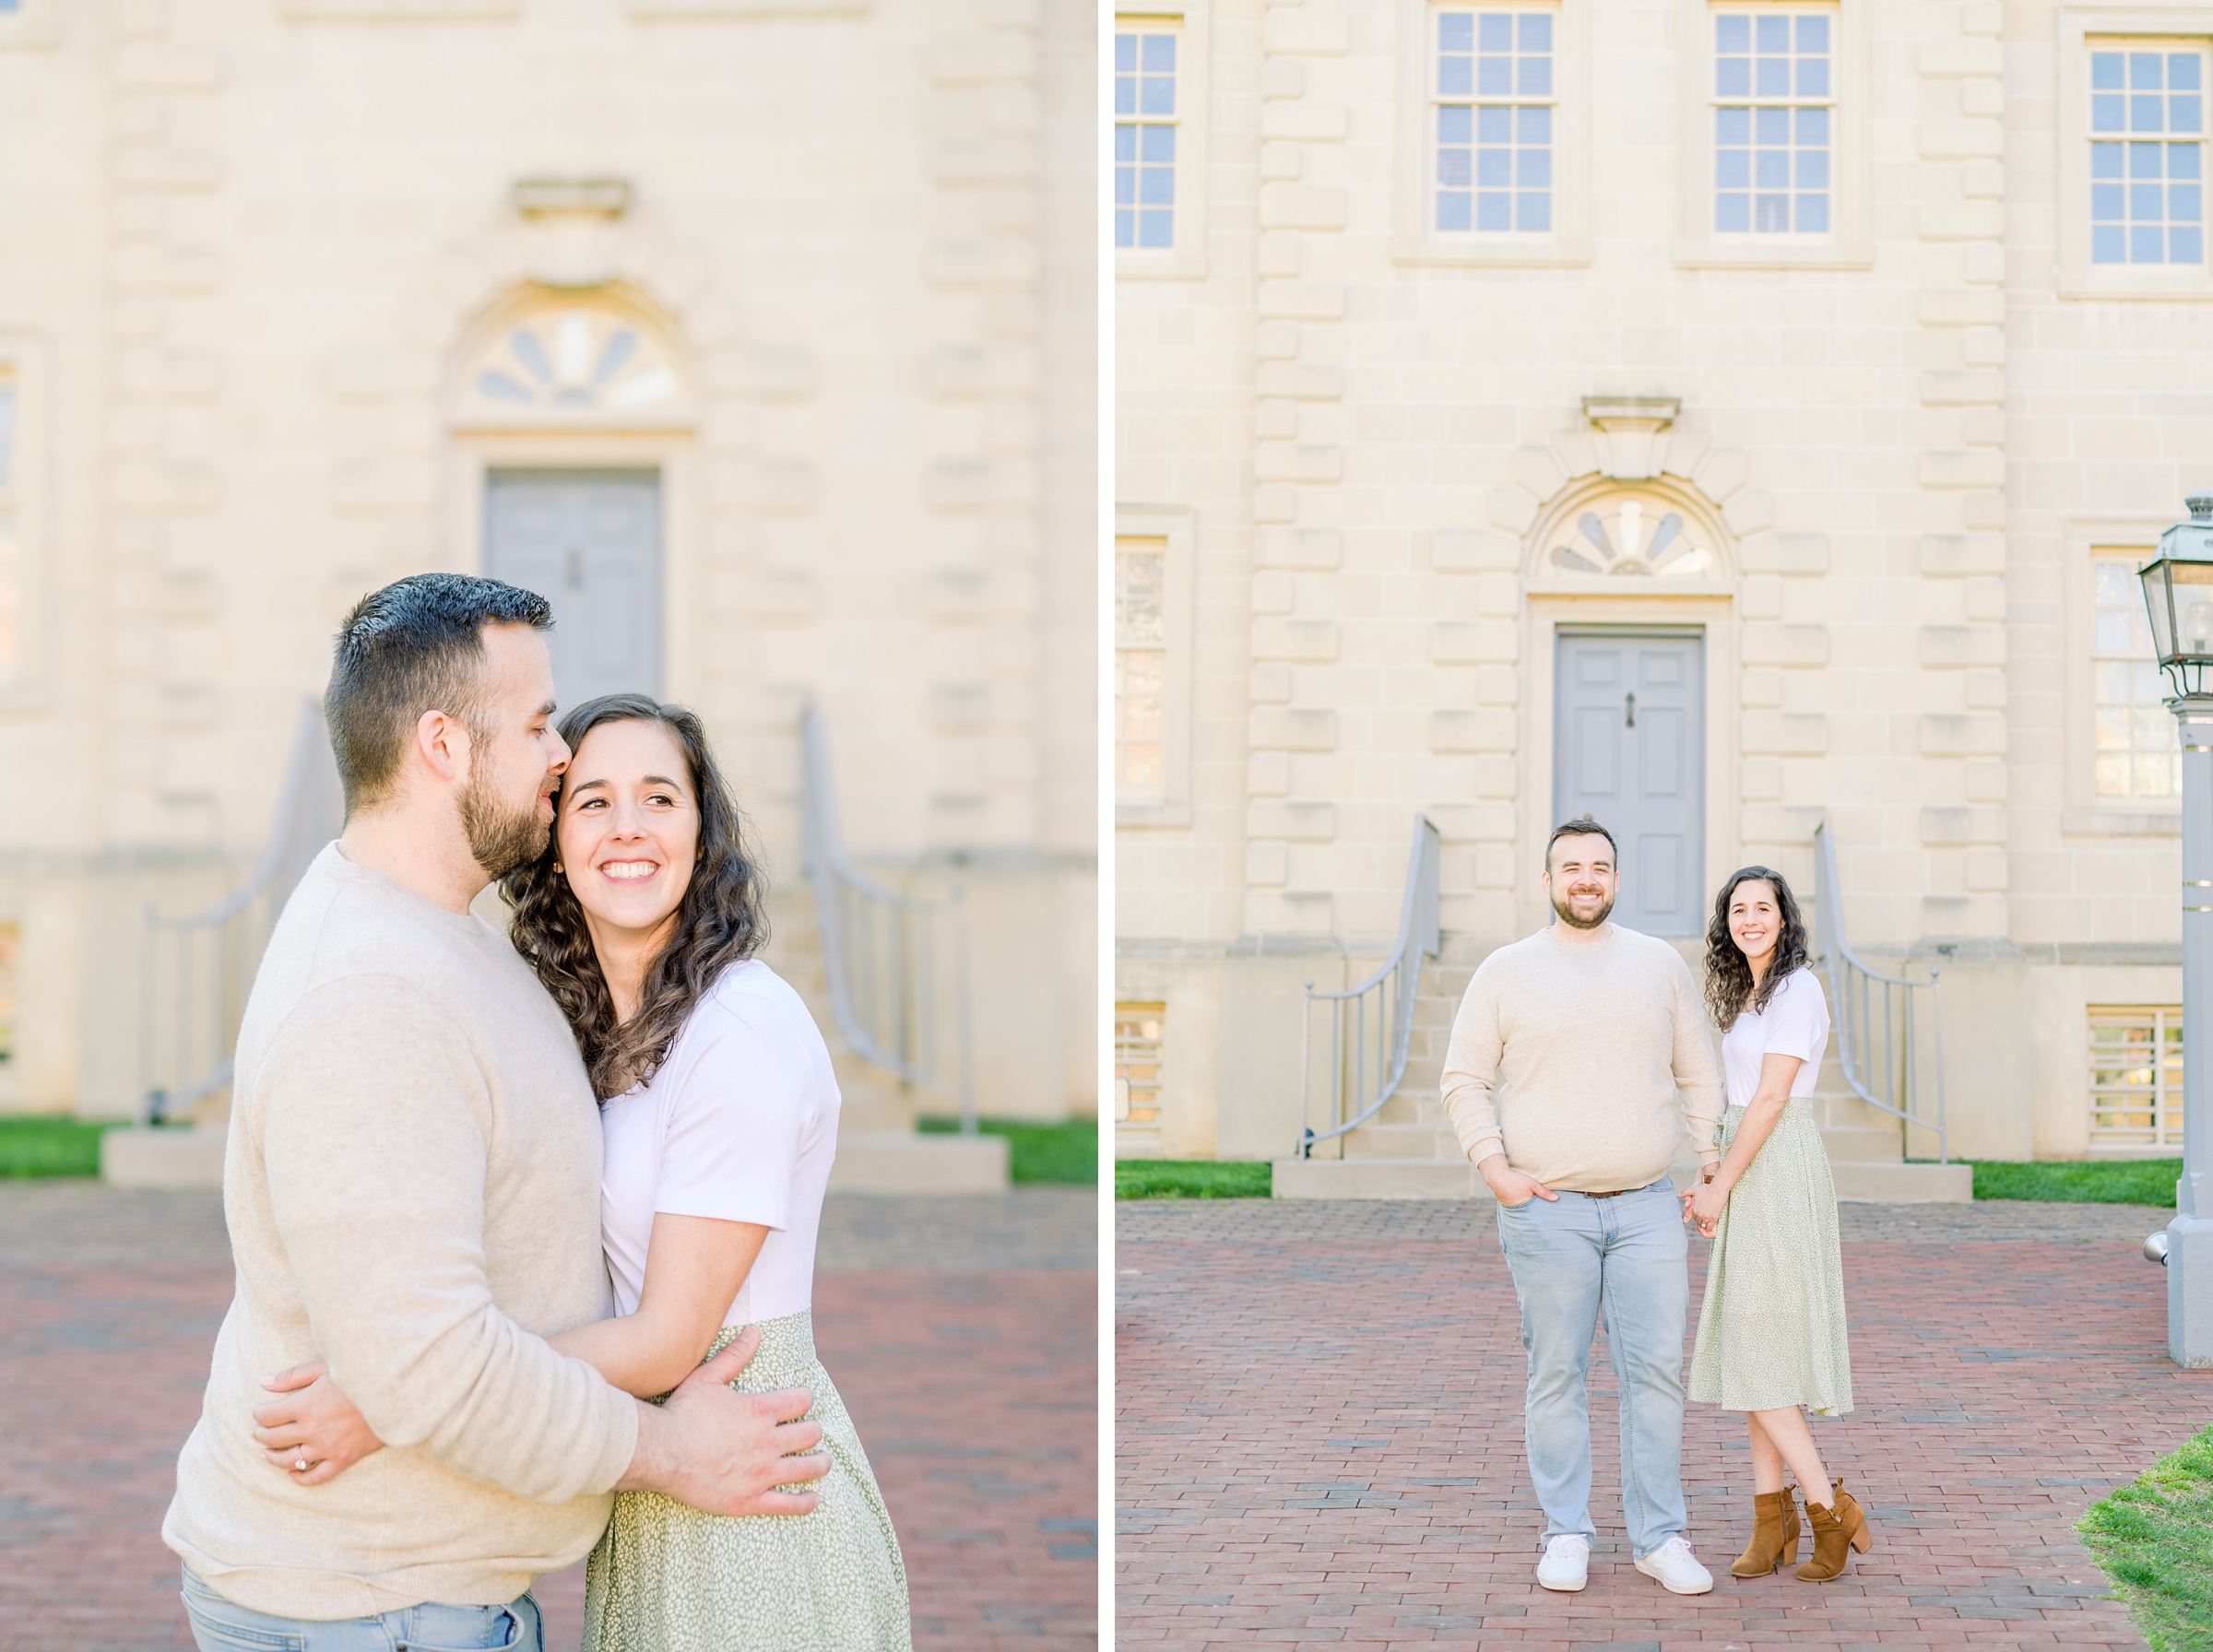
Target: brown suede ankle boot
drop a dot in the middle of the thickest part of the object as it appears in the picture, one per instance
(1841, 1526)
(1774, 1534)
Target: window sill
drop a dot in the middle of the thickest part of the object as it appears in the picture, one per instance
(2121, 822)
(1495, 251)
(2125, 285)
(1151, 814)
(1159, 263)
(1717, 252)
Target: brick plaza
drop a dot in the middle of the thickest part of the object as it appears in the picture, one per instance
(1320, 1434)
(961, 1332)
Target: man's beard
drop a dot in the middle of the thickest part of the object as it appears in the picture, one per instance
(1559, 905)
(502, 840)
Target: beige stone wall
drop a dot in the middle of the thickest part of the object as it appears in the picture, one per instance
(256, 247)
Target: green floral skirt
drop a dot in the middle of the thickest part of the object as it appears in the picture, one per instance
(667, 1579)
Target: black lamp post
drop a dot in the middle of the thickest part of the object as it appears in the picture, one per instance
(2178, 590)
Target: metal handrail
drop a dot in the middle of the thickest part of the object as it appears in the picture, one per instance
(195, 971)
(1874, 1013)
(1354, 1069)
(882, 949)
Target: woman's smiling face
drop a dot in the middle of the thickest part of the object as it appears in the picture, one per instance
(629, 827)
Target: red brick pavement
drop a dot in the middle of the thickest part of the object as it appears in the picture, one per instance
(1319, 1436)
(975, 1393)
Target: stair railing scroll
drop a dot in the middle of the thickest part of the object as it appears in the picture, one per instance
(195, 971)
(1371, 1026)
(883, 951)
(1878, 1016)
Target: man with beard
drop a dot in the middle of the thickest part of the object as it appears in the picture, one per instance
(1575, 1059)
(413, 1189)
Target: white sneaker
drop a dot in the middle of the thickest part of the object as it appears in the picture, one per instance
(1676, 1568)
(1566, 1564)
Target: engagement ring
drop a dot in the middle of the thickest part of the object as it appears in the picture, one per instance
(299, 1464)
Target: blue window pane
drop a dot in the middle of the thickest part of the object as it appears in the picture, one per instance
(1774, 36)
(1813, 168)
(1732, 213)
(2185, 204)
(2105, 71)
(1156, 186)
(1733, 169)
(1125, 143)
(1495, 77)
(1155, 229)
(2106, 202)
(1494, 212)
(1159, 97)
(1456, 32)
(2145, 71)
(1125, 95)
(1773, 125)
(1497, 32)
(2106, 244)
(1813, 126)
(2144, 243)
(2146, 114)
(1770, 212)
(2105, 160)
(2182, 159)
(1495, 126)
(1533, 168)
(1455, 77)
(1773, 76)
(1455, 168)
(1536, 32)
(2144, 159)
(1813, 76)
(2186, 244)
(2184, 113)
(1124, 54)
(1733, 78)
(1813, 215)
(1157, 145)
(1534, 125)
(1771, 169)
(1125, 186)
(1533, 213)
(2106, 113)
(1456, 124)
(1536, 77)
(1453, 212)
(1813, 36)
(2145, 201)
(1733, 35)
(1733, 126)
(1494, 168)
(1160, 55)
(1125, 229)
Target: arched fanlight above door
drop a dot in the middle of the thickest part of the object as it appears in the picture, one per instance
(1609, 535)
(561, 359)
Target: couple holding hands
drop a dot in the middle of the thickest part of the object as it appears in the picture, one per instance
(1575, 1058)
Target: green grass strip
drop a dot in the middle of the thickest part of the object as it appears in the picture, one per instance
(2096, 1182)
(1189, 1178)
(2154, 1539)
(44, 1145)
(1066, 1153)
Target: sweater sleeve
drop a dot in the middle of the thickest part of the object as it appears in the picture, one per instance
(1472, 1071)
(1697, 1074)
(371, 1112)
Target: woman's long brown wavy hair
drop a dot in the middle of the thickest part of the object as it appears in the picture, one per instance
(1729, 990)
(720, 922)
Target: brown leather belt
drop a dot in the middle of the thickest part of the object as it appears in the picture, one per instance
(1615, 1194)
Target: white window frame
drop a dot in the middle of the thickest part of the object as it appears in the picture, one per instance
(1171, 804)
(2130, 26)
(1186, 261)
(1415, 239)
(26, 549)
(28, 28)
(2166, 1099)
(2083, 813)
(1847, 244)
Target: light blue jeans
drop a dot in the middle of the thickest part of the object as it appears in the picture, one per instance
(1622, 1261)
(219, 1626)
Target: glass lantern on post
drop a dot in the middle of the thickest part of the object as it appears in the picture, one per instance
(2178, 590)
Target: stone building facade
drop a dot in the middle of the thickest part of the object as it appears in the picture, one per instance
(1838, 363)
(765, 331)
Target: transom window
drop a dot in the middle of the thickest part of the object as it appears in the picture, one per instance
(1772, 122)
(2135, 746)
(2147, 155)
(2135, 1079)
(1492, 121)
(1140, 664)
(1144, 139)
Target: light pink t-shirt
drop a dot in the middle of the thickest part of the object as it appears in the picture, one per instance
(740, 1124)
(1795, 1023)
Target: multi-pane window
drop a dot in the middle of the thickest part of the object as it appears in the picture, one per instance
(2134, 744)
(1137, 1063)
(1144, 139)
(2146, 157)
(2135, 1079)
(1492, 120)
(1773, 119)
(1140, 663)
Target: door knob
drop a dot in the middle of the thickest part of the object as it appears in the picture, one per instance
(575, 569)
(1631, 717)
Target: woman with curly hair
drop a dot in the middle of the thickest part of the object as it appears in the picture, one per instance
(718, 1109)
(1772, 1335)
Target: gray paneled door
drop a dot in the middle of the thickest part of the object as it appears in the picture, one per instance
(589, 541)
(1629, 750)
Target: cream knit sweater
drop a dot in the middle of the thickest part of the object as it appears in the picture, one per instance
(412, 1188)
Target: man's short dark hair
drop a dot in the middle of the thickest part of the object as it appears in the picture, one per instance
(415, 646)
(1586, 827)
